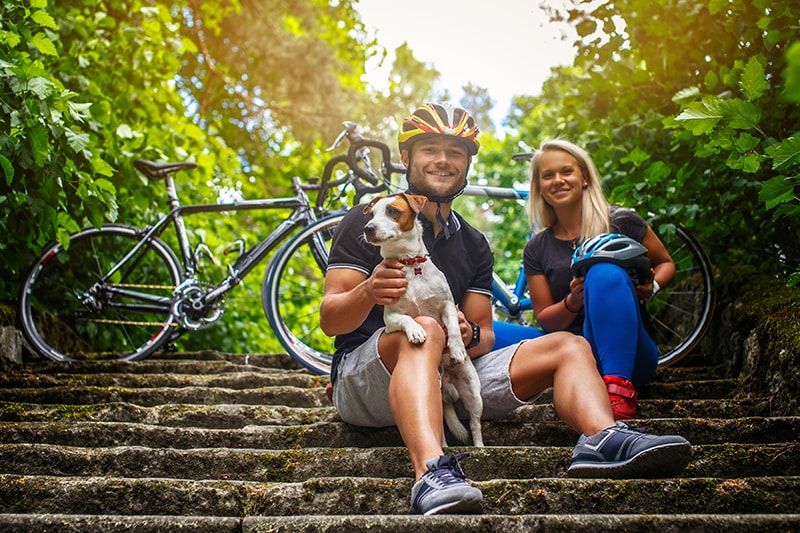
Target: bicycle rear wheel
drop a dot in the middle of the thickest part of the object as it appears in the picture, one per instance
(292, 293)
(69, 312)
(680, 313)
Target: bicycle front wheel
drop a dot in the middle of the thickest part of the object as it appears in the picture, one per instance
(292, 294)
(71, 309)
(680, 313)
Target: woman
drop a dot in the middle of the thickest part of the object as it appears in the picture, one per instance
(566, 199)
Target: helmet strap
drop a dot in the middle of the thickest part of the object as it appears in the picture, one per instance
(442, 222)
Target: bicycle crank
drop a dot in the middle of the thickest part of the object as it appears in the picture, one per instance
(193, 311)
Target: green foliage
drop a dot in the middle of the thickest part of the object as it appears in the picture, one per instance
(688, 110)
(252, 91)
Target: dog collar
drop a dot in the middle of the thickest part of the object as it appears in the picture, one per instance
(414, 262)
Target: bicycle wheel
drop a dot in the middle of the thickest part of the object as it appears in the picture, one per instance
(292, 293)
(68, 312)
(680, 313)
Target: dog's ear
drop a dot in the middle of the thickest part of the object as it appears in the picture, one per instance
(415, 201)
(369, 206)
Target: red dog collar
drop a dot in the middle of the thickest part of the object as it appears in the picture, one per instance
(413, 261)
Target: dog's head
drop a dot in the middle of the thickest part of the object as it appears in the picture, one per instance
(392, 216)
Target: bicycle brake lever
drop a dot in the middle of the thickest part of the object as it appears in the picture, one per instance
(348, 127)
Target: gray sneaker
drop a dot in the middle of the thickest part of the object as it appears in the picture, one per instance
(444, 489)
(622, 453)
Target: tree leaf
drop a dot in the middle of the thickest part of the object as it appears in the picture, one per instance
(686, 95)
(43, 18)
(79, 111)
(753, 82)
(701, 117)
(43, 44)
(8, 169)
(40, 144)
(77, 141)
(41, 87)
(101, 167)
(742, 115)
(785, 153)
(791, 74)
(778, 190)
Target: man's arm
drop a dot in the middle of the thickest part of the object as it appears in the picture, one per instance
(476, 307)
(349, 295)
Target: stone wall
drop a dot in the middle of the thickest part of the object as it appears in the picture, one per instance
(755, 336)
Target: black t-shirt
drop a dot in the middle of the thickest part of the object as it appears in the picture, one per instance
(545, 254)
(465, 259)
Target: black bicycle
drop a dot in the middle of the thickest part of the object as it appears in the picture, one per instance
(122, 292)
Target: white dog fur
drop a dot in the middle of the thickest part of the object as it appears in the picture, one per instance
(395, 229)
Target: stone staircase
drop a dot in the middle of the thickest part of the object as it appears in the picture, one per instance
(247, 443)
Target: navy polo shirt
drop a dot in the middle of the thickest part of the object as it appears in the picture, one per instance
(465, 258)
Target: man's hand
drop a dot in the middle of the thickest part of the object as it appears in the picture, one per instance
(465, 328)
(388, 283)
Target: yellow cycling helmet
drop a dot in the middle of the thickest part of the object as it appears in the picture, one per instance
(440, 119)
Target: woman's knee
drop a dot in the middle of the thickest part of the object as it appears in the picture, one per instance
(606, 273)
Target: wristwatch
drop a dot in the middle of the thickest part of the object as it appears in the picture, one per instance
(476, 335)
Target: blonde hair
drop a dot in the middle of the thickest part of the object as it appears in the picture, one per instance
(594, 209)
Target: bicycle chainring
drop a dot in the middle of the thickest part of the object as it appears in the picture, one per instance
(191, 309)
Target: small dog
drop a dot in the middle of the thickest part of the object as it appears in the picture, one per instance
(395, 229)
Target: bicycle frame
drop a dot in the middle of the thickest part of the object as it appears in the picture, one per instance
(513, 300)
(302, 215)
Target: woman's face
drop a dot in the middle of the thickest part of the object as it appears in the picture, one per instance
(560, 179)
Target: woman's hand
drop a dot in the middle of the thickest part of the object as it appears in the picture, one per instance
(575, 297)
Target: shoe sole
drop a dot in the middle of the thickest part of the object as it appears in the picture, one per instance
(469, 504)
(667, 460)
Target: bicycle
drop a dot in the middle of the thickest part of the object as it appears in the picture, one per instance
(149, 297)
(122, 292)
(679, 315)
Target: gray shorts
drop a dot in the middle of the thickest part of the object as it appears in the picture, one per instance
(361, 393)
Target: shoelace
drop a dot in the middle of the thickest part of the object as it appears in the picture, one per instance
(450, 471)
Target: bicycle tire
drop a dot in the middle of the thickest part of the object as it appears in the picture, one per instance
(680, 314)
(292, 292)
(68, 314)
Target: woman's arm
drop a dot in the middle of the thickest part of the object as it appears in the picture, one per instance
(661, 263)
(551, 315)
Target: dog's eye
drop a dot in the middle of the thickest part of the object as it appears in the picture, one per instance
(393, 212)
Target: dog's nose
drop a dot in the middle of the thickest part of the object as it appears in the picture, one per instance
(369, 231)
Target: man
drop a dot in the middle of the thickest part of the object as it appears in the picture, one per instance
(382, 379)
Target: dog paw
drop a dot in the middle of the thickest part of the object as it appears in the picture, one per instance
(416, 335)
(458, 355)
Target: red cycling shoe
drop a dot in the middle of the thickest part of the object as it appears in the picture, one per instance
(623, 396)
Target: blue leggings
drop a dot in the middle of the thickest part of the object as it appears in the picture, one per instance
(612, 325)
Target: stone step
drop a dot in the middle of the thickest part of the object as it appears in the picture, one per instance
(483, 464)
(226, 380)
(369, 496)
(586, 523)
(337, 434)
(237, 415)
(273, 395)
(181, 363)
(261, 389)
(219, 416)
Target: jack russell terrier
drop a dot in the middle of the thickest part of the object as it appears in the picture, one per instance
(394, 228)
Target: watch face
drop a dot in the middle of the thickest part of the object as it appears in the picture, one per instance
(476, 335)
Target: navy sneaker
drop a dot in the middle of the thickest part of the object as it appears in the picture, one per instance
(622, 453)
(444, 489)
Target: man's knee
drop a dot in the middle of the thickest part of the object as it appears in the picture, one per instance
(564, 346)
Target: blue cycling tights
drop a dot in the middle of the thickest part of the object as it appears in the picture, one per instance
(612, 325)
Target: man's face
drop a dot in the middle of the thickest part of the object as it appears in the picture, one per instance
(438, 166)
